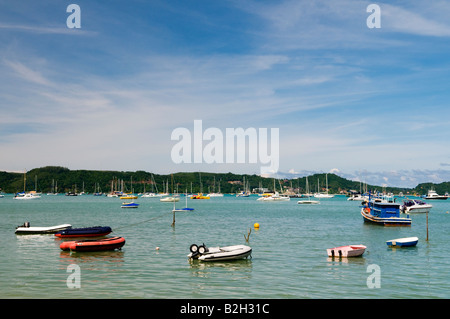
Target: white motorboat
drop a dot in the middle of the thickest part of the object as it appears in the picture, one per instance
(27, 229)
(149, 195)
(25, 196)
(215, 195)
(357, 197)
(415, 206)
(433, 195)
(170, 199)
(204, 253)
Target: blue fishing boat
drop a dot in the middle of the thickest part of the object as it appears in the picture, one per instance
(95, 231)
(403, 242)
(383, 211)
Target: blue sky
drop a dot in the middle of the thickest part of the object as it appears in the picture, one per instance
(369, 104)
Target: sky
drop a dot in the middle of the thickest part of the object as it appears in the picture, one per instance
(369, 104)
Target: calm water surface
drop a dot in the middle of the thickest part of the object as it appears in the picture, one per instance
(289, 257)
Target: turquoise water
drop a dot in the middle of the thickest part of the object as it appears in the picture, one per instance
(289, 257)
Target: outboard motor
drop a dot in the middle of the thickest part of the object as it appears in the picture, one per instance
(202, 249)
(194, 251)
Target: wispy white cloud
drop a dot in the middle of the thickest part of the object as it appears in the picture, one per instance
(26, 73)
(397, 19)
(46, 30)
(311, 68)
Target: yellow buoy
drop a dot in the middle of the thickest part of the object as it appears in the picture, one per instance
(256, 225)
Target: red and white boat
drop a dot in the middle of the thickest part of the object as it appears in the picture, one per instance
(94, 244)
(347, 251)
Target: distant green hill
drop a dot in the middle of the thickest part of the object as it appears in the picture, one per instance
(42, 179)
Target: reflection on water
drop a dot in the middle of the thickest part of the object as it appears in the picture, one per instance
(242, 267)
(354, 260)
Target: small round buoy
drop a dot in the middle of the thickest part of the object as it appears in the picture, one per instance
(256, 225)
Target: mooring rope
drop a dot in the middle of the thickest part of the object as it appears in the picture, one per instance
(143, 221)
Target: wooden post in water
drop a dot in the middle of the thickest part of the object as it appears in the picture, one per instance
(173, 223)
(427, 225)
(173, 211)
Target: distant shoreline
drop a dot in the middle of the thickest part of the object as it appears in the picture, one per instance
(44, 178)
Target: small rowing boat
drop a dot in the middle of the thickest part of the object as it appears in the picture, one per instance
(219, 253)
(403, 242)
(95, 231)
(27, 229)
(94, 244)
(346, 251)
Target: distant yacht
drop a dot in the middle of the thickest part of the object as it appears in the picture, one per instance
(276, 197)
(322, 195)
(433, 195)
(308, 201)
(30, 195)
(24, 195)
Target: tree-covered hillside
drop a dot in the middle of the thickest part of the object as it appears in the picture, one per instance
(42, 179)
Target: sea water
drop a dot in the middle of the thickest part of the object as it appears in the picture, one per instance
(288, 260)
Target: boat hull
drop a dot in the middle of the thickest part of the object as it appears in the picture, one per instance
(94, 245)
(84, 232)
(130, 205)
(346, 251)
(403, 242)
(308, 202)
(425, 209)
(170, 199)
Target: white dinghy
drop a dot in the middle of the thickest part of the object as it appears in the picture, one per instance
(27, 229)
(204, 253)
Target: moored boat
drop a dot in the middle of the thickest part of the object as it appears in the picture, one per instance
(204, 253)
(170, 199)
(276, 197)
(346, 251)
(27, 229)
(25, 196)
(415, 206)
(308, 202)
(128, 196)
(383, 212)
(95, 231)
(403, 242)
(111, 243)
(433, 195)
(130, 205)
(199, 196)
